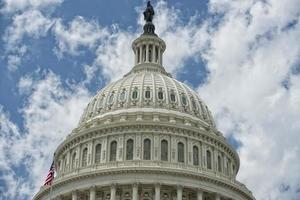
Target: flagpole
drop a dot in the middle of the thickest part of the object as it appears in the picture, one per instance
(50, 193)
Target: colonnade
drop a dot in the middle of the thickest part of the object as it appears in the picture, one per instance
(178, 191)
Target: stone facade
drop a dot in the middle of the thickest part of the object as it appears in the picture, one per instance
(146, 136)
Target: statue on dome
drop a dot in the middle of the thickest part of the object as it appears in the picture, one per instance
(149, 12)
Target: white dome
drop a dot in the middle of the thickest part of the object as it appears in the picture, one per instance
(147, 90)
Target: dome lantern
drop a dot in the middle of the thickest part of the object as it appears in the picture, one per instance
(149, 48)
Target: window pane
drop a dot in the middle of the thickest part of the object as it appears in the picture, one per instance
(164, 150)
(84, 157)
(195, 155)
(98, 153)
(184, 100)
(173, 99)
(74, 161)
(147, 149)
(160, 95)
(219, 164)
(129, 149)
(134, 94)
(180, 147)
(208, 159)
(113, 151)
(147, 94)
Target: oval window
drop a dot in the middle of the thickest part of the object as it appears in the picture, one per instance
(147, 94)
(123, 95)
(160, 95)
(111, 98)
(184, 100)
(194, 105)
(135, 94)
(172, 96)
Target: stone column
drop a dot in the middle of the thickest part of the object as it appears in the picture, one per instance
(179, 192)
(199, 195)
(113, 192)
(159, 56)
(218, 197)
(147, 52)
(74, 195)
(135, 55)
(141, 53)
(135, 191)
(93, 193)
(157, 191)
(153, 53)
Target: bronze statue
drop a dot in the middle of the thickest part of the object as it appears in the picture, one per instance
(149, 12)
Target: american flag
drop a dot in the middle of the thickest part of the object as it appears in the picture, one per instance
(50, 175)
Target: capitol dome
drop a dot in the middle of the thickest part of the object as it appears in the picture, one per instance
(146, 136)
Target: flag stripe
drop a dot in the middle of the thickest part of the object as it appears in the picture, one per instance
(50, 175)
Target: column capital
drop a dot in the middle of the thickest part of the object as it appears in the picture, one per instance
(136, 184)
(157, 185)
(179, 187)
(93, 187)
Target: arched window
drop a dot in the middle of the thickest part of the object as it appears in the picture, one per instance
(113, 151)
(73, 164)
(219, 164)
(129, 149)
(84, 157)
(208, 159)
(180, 149)
(123, 95)
(147, 149)
(172, 97)
(160, 95)
(164, 150)
(184, 100)
(147, 93)
(135, 93)
(111, 98)
(98, 153)
(195, 155)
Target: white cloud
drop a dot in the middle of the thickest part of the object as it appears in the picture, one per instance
(50, 113)
(31, 24)
(79, 33)
(11, 6)
(253, 51)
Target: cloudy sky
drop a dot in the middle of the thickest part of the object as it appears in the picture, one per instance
(243, 58)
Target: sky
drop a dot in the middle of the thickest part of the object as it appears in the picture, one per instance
(242, 57)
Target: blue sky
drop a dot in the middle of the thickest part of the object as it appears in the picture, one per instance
(242, 57)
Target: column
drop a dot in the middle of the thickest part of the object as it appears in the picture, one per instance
(159, 56)
(153, 53)
(179, 192)
(218, 197)
(135, 191)
(157, 191)
(199, 195)
(147, 52)
(113, 192)
(141, 53)
(135, 55)
(93, 193)
(74, 195)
